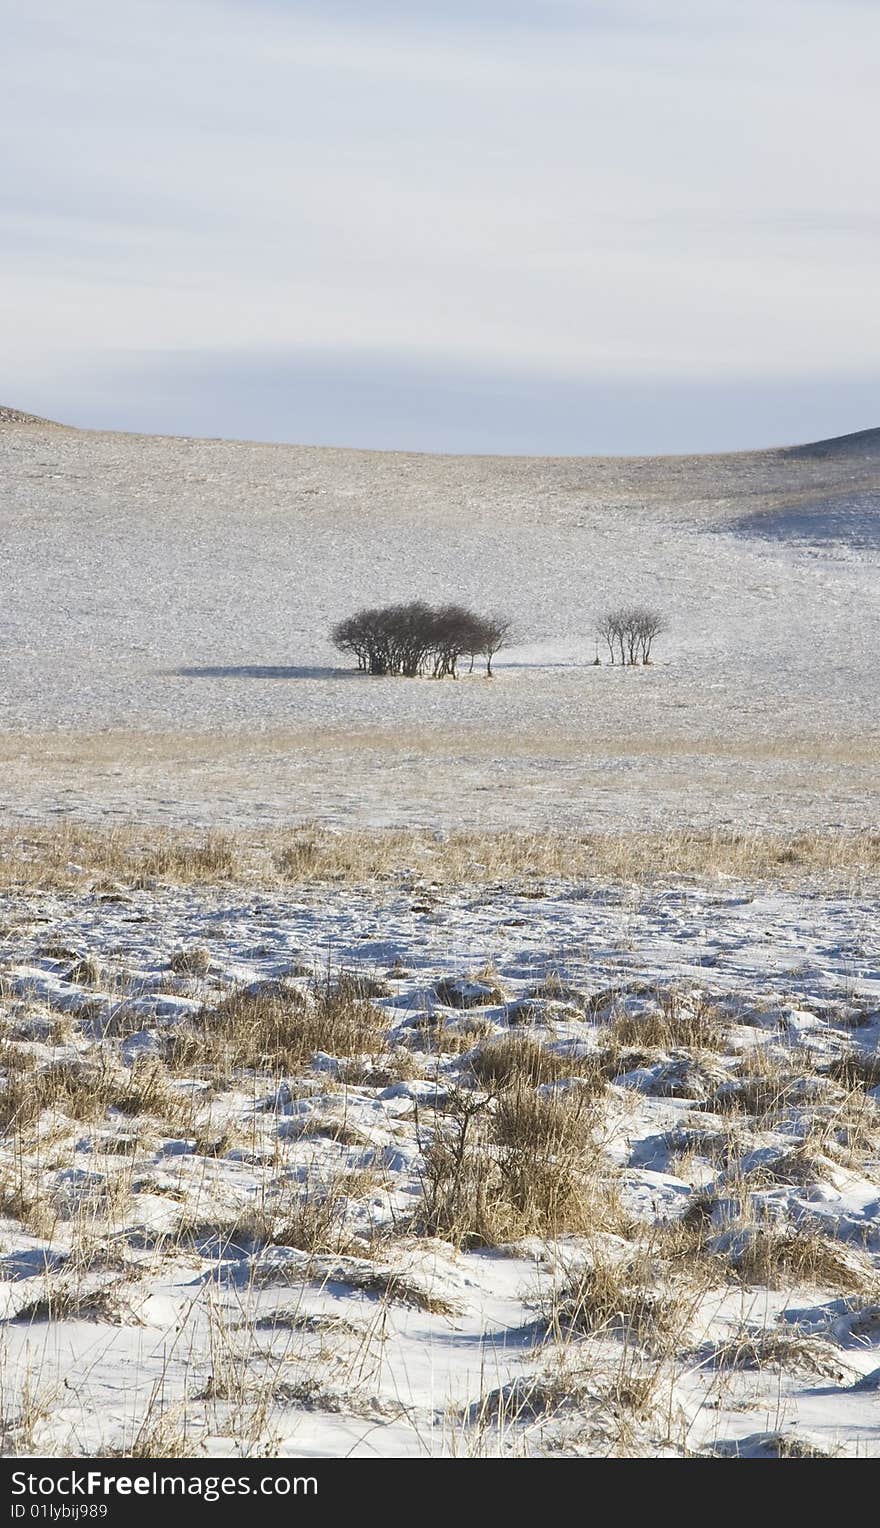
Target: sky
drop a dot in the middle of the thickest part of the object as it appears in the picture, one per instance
(540, 226)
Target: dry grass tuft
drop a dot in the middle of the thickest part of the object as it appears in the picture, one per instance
(684, 1020)
(856, 1069)
(86, 971)
(194, 961)
(279, 1029)
(164, 1433)
(758, 1253)
(87, 1089)
(777, 1445)
(520, 1060)
(765, 1087)
(607, 1296)
(318, 1219)
(65, 1302)
(751, 1349)
(782, 1260)
(481, 990)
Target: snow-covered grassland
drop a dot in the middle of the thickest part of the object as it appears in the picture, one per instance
(167, 603)
(550, 1127)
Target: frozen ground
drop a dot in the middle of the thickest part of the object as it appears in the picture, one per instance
(169, 1284)
(164, 650)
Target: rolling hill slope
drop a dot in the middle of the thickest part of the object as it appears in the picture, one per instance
(164, 645)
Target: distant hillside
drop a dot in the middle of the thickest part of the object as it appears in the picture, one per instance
(861, 444)
(17, 416)
(184, 590)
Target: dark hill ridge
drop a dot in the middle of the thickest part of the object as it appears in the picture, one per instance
(860, 443)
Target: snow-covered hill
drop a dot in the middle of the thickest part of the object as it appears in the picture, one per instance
(185, 589)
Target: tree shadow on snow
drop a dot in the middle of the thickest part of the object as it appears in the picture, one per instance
(264, 671)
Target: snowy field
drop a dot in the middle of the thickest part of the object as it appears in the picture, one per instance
(165, 654)
(203, 1253)
(350, 1140)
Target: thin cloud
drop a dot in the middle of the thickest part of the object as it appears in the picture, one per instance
(573, 189)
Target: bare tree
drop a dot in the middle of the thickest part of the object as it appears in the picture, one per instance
(630, 632)
(410, 627)
(355, 635)
(607, 631)
(496, 632)
(649, 624)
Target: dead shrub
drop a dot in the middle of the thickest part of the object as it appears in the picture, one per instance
(525, 1169)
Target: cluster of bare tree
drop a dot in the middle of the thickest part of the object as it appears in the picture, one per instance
(630, 632)
(418, 639)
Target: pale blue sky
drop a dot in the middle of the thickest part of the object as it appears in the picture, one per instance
(538, 225)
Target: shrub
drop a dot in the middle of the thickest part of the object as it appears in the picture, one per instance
(416, 639)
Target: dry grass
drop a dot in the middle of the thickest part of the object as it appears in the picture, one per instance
(87, 971)
(766, 1085)
(486, 990)
(278, 1029)
(163, 1434)
(195, 961)
(318, 1218)
(332, 1127)
(548, 1122)
(751, 1349)
(759, 1254)
(386, 1283)
(528, 1167)
(25, 1418)
(87, 1089)
(566, 1385)
(394, 1287)
(397, 1064)
(519, 1060)
(683, 1020)
(779, 1445)
(66, 1302)
(791, 1258)
(616, 1296)
(856, 1069)
(77, 855)
(512, 1148)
